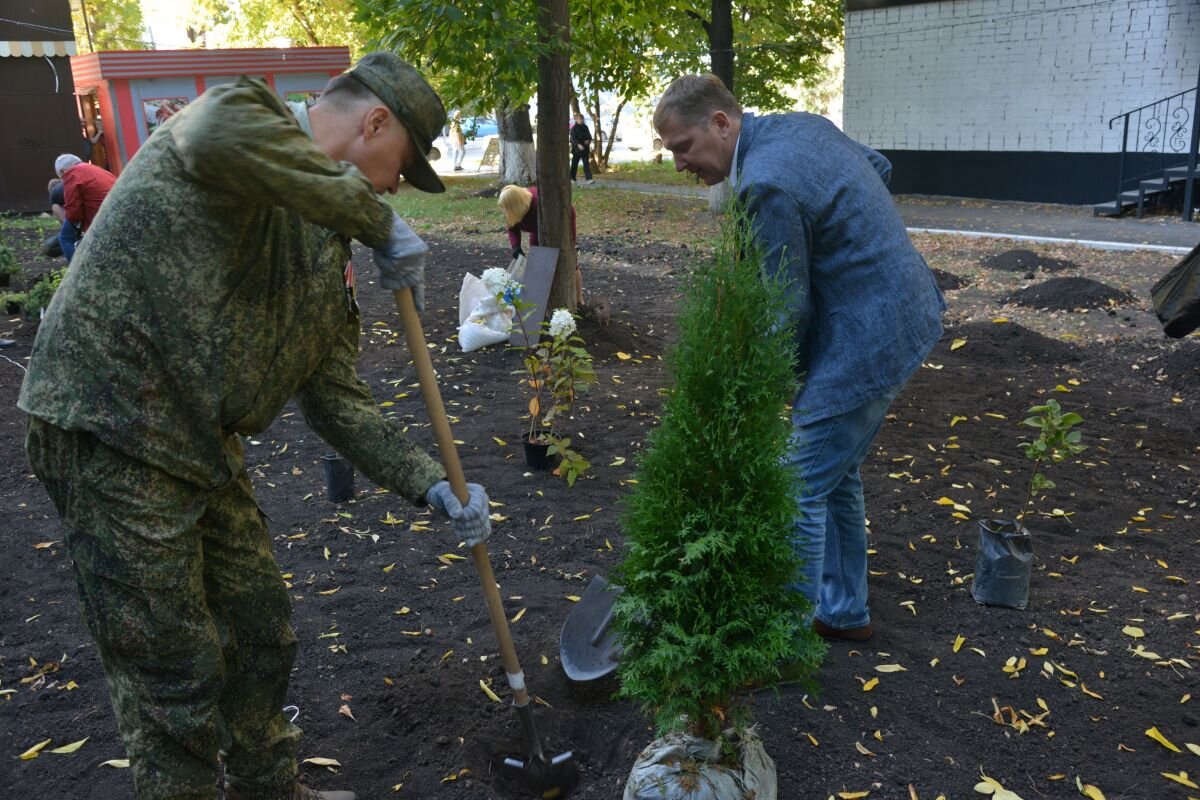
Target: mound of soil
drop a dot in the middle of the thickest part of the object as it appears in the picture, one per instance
(1179, 368)
(1026, 261)
(948, 281)
(612, 247)
(1067, 294)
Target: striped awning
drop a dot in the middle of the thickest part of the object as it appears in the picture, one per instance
(36, 49)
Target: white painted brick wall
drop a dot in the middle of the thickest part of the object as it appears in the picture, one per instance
(1043, 75)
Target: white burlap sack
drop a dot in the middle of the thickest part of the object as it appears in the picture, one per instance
(682, 767)
(488, 322)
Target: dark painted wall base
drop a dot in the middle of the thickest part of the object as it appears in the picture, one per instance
(1077, 178)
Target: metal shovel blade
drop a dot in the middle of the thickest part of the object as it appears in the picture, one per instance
(588, 646)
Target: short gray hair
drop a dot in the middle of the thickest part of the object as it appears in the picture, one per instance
(692, 99)
(65, 162)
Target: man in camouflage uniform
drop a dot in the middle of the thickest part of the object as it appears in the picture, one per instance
(208, 292)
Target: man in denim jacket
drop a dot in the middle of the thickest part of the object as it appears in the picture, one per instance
(865, 304)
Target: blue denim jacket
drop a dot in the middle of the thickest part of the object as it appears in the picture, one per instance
(866, 305)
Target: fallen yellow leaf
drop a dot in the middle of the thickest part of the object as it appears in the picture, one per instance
(495, 698)
(1154, 734)
(1088, 790)
(69, 748)
(958, 643)
(32, 752)
(1181, 778)
(957, 343)
(1134, 631)
(116, 763)
(889, 668)
(871, 684)
(624, 356)
(852, 795)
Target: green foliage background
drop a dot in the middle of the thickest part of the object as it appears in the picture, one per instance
(706, 608)
(114, 25)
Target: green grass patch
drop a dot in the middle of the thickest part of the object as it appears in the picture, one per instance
(27, 222)
(649, 172)
(636, 218)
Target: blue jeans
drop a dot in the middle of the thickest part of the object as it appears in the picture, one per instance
(831, 532)
(68, 237)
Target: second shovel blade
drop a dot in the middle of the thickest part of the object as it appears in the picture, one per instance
(588, 646)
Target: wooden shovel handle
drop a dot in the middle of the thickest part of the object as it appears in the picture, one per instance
(458, 482)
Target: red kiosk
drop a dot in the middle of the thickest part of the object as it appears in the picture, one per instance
(124, 95)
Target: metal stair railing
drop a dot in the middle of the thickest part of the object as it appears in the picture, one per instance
(1167, 129)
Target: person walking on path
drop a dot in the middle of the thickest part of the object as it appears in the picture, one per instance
(457, 142)
(581, 150)
(84, 188)
(864, 303)
(520, 208)
(210, 290)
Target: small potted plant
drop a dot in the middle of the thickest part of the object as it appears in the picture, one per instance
(8, 264)
(1003, 563)
(38, 298)
(13, 302)
(556, 368)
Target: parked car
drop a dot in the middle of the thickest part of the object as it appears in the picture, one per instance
(474, 128)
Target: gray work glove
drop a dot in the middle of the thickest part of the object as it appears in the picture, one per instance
(472, 523)
(401, 261)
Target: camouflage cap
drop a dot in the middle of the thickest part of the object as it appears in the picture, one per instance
(414, 102)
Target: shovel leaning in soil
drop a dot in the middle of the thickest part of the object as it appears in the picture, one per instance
(549, 779)
(588, 646)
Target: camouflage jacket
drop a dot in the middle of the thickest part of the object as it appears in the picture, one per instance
(209, 290)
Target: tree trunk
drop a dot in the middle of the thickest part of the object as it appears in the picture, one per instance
(517, 158)
(606, 151)
(720, 48)
(718, 196)
(597, 131)
(720, 41)
(554, 150)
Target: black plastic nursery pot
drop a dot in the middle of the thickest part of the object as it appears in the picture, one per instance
(1003, 564)
(537, 455)
(339, 478)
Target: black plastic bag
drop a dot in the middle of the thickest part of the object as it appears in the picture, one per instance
(1003, 564)
(1176, 297)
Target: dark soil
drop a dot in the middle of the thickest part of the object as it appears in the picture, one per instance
(1122, 552)
(1068, 294)
(1025, 261)
(948, 281)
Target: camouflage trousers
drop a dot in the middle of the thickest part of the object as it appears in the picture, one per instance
(180, 589)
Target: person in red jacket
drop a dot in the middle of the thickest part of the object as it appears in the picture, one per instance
(84, 188)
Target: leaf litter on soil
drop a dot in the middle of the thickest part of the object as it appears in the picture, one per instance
(416, 677)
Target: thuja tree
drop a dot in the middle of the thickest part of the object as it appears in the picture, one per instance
(706, 608)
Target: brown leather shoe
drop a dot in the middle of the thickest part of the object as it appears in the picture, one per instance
(848, 634)
(299, 792)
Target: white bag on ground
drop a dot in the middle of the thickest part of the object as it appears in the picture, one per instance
(482, 319)
(682, 767)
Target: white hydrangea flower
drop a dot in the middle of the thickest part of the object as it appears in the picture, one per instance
(495, 280)
(562, 323)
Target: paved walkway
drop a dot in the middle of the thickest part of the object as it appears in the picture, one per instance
(1037, 222)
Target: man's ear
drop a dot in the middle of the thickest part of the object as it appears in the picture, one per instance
(721, 120)
(375, 122)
